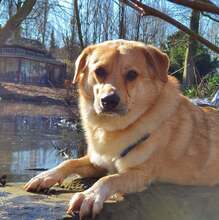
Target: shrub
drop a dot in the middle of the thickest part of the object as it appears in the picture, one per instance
(206, 88)
(176, 46)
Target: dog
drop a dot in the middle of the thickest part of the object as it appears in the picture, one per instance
(138, 126)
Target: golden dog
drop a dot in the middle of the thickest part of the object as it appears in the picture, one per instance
(138, 125)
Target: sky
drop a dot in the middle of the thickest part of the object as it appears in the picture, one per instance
(59, 19)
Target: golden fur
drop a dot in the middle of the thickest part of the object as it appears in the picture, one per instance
(183, 146)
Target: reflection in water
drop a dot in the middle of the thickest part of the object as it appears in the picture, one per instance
(31, 142)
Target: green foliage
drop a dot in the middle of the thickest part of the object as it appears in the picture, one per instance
(204, 62)
(176, 46)
(207, 87)
(191, 92)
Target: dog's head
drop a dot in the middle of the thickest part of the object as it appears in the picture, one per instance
(119, 80)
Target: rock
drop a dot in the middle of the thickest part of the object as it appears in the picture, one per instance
(158, 202)
(16, 203)
(166, 202)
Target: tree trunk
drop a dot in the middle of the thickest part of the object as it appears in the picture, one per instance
(190, 74)
(15, 21)
(17, 33)
(10, 8)
(77, 16)
(73, 37)
(122, 20)
(137, 26)
(106, 9)
(45, 19)
(96, 8)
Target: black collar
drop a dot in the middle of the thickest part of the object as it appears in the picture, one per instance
(131, 146)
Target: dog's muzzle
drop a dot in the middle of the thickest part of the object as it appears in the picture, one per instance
(110, 102)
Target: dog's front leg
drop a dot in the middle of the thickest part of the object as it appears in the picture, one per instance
(81, 166)
(91, 201)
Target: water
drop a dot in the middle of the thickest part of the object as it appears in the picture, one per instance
(32, 139)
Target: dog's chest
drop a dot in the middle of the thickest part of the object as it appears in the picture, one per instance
(103, 149)
(102, 161)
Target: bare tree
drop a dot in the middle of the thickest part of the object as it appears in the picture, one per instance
(45, 19)
(15, 21)
(190, 74)
(78, 22)
(138, 20)
(122, 26)
(146, 10)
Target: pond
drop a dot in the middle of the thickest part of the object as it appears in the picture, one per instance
(34, 138)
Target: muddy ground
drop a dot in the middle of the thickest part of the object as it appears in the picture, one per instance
(38, 94)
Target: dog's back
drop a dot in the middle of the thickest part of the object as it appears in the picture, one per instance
(194, 146)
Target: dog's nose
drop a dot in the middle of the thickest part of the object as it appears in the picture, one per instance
(109, 102)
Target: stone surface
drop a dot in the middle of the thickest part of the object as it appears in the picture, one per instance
(15, 203)
(159, 202)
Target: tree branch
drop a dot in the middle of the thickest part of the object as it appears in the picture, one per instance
(146, 10)
(16, 20)
(198, 5)
(209, 16)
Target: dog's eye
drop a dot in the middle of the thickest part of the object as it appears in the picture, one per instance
(131, 75)
(101, 73)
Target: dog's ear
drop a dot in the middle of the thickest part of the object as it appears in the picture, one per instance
(80, 64)
(158, 63)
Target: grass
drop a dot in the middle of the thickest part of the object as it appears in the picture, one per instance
(206, 88)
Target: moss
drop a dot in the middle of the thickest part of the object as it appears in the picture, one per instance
(78, 184)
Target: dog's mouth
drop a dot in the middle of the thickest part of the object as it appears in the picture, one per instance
(114, 113)
(101, 111)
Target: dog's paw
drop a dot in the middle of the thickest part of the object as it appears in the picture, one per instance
(44, 180)
(89, 202)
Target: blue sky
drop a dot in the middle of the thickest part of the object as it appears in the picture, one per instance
(59, 19)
